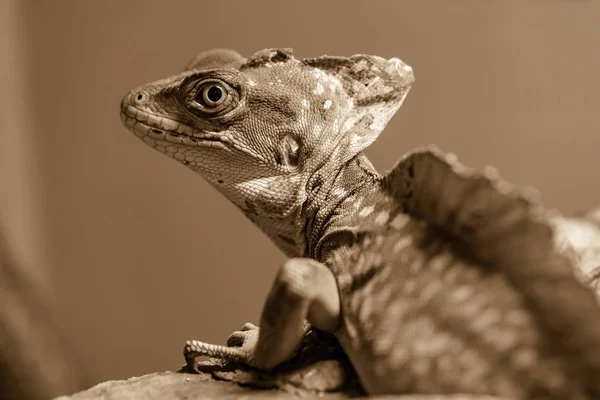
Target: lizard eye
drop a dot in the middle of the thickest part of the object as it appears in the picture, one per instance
(212, 97)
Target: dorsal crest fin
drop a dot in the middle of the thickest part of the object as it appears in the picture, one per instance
(509, 230)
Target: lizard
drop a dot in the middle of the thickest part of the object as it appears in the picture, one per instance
(437, 280)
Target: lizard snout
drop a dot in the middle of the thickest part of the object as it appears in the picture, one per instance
(134, 98)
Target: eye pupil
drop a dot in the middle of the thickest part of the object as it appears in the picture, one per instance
(214, 94)
(212, 97)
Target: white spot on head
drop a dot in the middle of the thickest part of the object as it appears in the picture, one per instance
(327, 104)
(399, 221)
(252, 83)
(305, 103)
(382, 217)
(348, 124)
(319, 89)
(366, 211)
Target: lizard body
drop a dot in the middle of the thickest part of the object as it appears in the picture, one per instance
(435, 279)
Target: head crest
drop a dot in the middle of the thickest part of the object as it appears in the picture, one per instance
(267, 56)
(367, 79)
(216, 58)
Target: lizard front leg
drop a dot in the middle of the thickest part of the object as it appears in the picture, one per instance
(304, 290)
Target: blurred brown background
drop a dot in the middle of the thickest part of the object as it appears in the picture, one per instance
(136, 254)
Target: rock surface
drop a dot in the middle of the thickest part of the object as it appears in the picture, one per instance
(175, 386)
(319, 370)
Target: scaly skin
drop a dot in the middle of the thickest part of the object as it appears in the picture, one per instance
(435, 279)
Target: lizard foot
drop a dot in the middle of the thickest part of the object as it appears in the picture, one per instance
(240, 347)
(196, 348)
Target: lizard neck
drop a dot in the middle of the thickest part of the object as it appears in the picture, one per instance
(334, 193)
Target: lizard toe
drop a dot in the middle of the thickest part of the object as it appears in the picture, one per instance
(189, 352)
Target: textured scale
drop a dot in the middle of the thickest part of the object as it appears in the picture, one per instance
(452, 284)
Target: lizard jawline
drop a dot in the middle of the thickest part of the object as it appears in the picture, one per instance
(143, 128)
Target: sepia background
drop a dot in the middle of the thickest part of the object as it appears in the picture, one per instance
(135, 254)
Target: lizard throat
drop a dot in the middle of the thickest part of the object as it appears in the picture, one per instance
(145, 124)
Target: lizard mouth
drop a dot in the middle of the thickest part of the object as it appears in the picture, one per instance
(143, 124)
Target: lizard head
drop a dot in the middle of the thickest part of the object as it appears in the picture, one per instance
(259, 129)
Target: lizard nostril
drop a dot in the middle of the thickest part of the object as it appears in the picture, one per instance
(140, 97)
